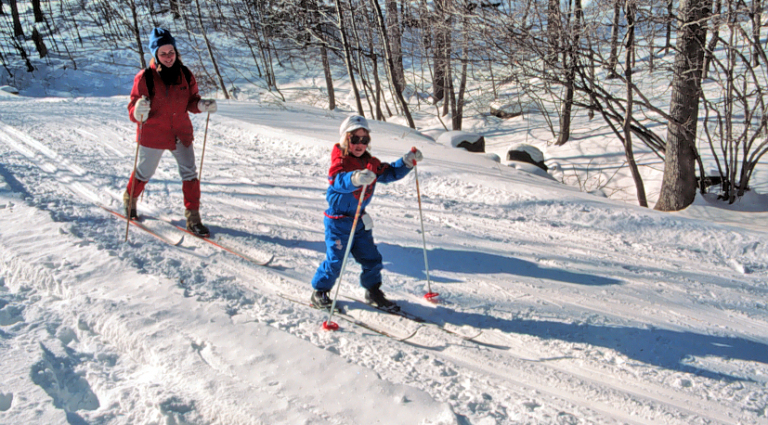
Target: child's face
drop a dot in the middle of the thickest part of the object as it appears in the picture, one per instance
(358, 149)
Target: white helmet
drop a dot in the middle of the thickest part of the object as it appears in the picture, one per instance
(352, 123)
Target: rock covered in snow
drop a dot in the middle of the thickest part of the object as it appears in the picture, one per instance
(528, 154)
(506, 110)
(9, 90)
(472, 142)
(513, 109)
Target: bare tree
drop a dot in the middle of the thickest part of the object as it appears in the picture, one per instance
(37, 38)
(678, 187)
(395, 43)
(755, 17)
(348, 56)
(571, 42)
(174, 8)
(714, 38)
(630, 12)
(669, 21)
(554, 29)
(210, 50)
(440, 48)
(17, 30)
(390, 63)
(614, 58)
(137, 33)
(37, 11)
(735, 118)
(458, 114)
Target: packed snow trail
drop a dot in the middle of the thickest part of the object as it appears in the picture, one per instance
(583, 310)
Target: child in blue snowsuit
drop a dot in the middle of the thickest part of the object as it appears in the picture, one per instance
(353, 167)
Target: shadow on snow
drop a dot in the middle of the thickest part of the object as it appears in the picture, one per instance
(674, 350)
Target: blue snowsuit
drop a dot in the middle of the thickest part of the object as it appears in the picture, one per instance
(343, 197)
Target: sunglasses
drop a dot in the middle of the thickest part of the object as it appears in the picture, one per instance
(356, 140)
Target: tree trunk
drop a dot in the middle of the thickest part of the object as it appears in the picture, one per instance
(710, 52)
(553, 29)
(37, 11)
(328, 78)
(39, 43)
(628, 150)
(613, 60)
(390, 63)
(137, 34)
(459, 116)
(756, 16)
(348, 57)
(678, 188)
(175, 11)
(17, 30)
(570, 76)
(670, 19)
(395, 43)
(210, 50)
(440, 51)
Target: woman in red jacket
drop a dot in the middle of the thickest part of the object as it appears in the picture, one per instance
(160, 99)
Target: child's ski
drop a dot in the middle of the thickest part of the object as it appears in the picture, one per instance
(351, 320)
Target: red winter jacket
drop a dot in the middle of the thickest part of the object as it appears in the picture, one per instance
(168, 119)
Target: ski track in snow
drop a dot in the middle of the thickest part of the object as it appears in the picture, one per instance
(571, 316)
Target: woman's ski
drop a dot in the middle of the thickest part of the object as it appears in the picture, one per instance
(228, 249)
(141, 226)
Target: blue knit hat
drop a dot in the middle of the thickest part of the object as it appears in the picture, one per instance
(160, 37)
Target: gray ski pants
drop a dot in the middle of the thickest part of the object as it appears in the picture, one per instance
(149, 159)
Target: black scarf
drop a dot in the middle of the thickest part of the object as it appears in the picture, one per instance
(170, 76)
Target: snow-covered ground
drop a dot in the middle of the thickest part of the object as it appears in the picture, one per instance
(557, 306)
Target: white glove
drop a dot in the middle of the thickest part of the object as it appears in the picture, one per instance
(363, 177)
(367, 221)
(141, 109)
(412, 157)
(207, 105)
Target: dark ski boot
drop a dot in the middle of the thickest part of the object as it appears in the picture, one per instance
(195, 224)
(321, 300)
(376, 298)
(129, 206)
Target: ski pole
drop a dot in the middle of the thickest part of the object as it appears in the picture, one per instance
(429, 295)
(328, 325)
(133, 177)
(202, 155)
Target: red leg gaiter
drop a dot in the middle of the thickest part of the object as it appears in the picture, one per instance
(138, 186)
(191, 189)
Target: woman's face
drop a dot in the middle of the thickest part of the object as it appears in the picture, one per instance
(358, 149)
(166, 55)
